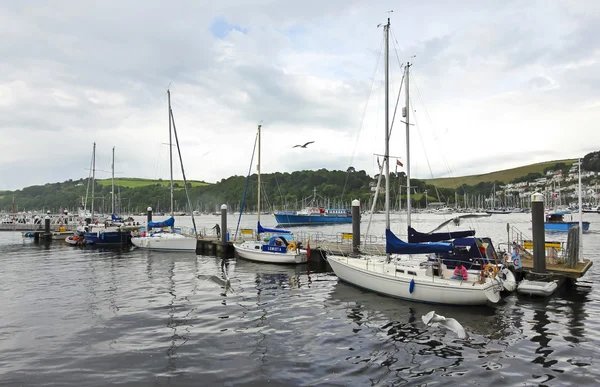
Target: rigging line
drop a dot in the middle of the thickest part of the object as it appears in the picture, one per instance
(187, 194)
(88, 185)
(246, 187)
(395, 48)
(362, 120)
(446, 163)
(396, 107)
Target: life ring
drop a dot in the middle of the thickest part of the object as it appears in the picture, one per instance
(516, 262)
(292, 246)
(491, 270)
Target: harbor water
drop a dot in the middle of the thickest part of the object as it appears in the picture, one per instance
(73, 316)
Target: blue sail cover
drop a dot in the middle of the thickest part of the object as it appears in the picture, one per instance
(116, 218)
(394, 245)
(260, 229)
(418, 237)
(165, 223)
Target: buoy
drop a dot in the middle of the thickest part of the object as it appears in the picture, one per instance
(411, 287)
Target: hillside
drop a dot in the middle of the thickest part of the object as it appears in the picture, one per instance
(503, 176)
(135, 183)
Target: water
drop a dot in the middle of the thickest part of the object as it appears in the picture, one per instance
(83, 316)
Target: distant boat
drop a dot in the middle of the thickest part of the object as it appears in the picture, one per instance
(555, 222)
(313, 215)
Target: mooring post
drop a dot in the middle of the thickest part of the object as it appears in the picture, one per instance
(355, 225)
(538, 233)
(149, 215)
(47, 234)
(224, 233)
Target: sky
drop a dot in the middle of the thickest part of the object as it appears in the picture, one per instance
(493, 85)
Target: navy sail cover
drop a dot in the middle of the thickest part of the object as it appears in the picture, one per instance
(260, 229)
(165, 223)
(418, 237)
(394, 245)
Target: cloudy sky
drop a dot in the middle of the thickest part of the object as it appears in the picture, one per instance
(493, 85)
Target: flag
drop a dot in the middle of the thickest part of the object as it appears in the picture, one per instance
(378, 163)
(308, 249)
(398, 162)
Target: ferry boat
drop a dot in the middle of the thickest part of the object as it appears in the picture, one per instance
(313, 216)
(555, 222)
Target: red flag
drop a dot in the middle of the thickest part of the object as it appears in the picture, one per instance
(399, 163)
(308, 249)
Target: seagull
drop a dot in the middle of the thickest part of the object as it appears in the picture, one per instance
(449, 323)
(457, 219)
(303, 146)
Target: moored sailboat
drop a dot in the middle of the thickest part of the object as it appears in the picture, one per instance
(405, 272)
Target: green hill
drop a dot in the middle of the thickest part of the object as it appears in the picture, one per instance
(135, 183)
(504, 176)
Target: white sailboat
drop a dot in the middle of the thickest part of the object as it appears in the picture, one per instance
(408, 274)
(279, 248)
(165, 237)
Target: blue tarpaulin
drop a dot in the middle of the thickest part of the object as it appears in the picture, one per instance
(165, 223)
(418, 237)
(260, 229)
(394, 245)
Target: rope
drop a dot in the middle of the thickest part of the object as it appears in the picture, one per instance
(246, 188)
(187, 194)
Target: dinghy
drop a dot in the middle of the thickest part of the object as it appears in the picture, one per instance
(537, 288)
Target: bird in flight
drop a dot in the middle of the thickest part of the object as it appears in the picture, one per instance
(303, 146)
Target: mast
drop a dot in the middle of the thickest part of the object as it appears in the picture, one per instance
(170, 149)
(258, 172)
(113, 181)
(93, 176)
(387, 126)
(407, 116)
(580, 217)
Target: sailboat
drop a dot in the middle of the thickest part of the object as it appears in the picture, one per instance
(113, 232)
(279, 248)
(163, 235)
(408, 274)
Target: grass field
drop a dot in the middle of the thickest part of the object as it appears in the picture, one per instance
(134, 183)
(504, 176)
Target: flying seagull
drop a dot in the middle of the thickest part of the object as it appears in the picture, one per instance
(449, 323)
(303, 146)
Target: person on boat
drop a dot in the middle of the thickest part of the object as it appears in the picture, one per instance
(460, 273)
(217, 228)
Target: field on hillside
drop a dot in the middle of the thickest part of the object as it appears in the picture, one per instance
(504, 176)
(134, 183)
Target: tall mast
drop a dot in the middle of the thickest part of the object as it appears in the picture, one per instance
(387, 126)
(407, 113)
(170, 149)
(580, 217)
(93, 176)
(113, 181)
(258, 172)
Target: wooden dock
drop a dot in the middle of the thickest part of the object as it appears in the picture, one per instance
(559, 267)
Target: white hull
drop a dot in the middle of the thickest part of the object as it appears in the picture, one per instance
(386, 279)
(166, 241)
(249, 251)
(537, 288)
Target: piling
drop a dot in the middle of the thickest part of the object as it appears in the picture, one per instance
(149, 215)
(224, 233)
(355, 225)
(47, 234)
(538, 233)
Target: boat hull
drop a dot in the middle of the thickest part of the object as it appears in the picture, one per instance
(303, 220)
(166, 241)
(537, 288)
(252, 251)
(565, 226)
(107, 238)
(438, 291)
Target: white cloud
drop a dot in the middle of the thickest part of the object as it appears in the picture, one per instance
(493, 86)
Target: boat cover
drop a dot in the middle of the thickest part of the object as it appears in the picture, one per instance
(165, 223)
(418, 237)
(260, 229)
(116, 218)
(394, 245)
